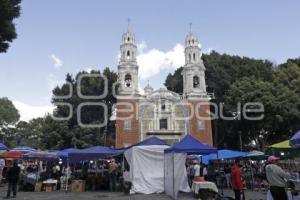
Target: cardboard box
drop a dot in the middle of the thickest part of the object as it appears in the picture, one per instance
(49, 188)
(78, 186)
(38, 187)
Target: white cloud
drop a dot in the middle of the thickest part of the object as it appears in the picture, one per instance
(141, 47)
(28, 112)
(57, 62)
(152, 61)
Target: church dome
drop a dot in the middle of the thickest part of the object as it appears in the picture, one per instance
(163, 93)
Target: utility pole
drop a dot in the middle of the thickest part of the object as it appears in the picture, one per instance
(240, 138)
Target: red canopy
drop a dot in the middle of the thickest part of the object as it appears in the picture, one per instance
(12, 154)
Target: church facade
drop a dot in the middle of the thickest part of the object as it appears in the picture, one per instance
(162, 113)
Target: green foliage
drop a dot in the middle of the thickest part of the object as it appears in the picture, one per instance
(9, 10)
(8, 113)
(174, 81)
(82, 137)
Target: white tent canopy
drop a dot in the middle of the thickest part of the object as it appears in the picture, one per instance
(175, 174)
(147, 169)
(175, 157)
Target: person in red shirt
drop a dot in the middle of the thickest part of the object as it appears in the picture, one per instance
(236, 180)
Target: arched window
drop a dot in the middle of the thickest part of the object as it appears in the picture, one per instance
(128, 80)
(190, 58)
(128, 54)
(193, 41)
(128, 39)
(196, 81)
(194, 56)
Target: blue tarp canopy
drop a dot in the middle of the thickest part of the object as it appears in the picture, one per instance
(64, 154)
(24, 149)
(295, 140)
(223, 155)
(191, 145)
(3, 147)
(93, 153)
(152, 140)
(40, 155)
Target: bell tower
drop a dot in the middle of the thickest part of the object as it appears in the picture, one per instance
(127, 124)
(194, 70)
(128, 68)
(194, 91)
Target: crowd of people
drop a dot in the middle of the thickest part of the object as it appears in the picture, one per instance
(27, 173)
(234, 175)
(240, 175)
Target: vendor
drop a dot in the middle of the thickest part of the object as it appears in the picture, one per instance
(200, 171)
(85, 171)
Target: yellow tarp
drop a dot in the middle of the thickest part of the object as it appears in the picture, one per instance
(283, 145)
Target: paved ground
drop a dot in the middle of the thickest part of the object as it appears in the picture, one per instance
(115, 196)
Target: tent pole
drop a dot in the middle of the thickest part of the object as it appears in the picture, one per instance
(252, 176)
(222, 189)
(67, 181)
(174, 195)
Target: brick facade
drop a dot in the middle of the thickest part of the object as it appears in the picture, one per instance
(125, 136)
(203, 135)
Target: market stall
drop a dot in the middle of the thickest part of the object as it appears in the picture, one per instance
(93, 153)
(175, 158)
(3, 147)
(283, 150)
(224, 154)
(12, 155)
(146, 163)
(146, 168)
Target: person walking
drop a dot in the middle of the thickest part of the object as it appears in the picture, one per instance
(277, 179)
(227, 172)
(191, 173)
(12, 177)
(236, 181)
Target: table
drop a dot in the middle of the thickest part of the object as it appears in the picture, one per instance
(205, 189)
(50, 184)
(204, 185)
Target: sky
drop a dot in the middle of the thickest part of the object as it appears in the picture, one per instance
(57, 37)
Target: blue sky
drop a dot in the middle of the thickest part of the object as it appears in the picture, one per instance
(57, 37)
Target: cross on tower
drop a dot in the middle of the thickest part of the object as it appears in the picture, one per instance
(128, 23)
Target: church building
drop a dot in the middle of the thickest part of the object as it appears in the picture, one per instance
(161, 113)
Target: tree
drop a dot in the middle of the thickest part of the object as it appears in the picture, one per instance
(82, 137)
(9, 10)
(55, 134)
(174, 82)
(8, 113)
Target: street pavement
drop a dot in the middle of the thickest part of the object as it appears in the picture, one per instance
(104, 195)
